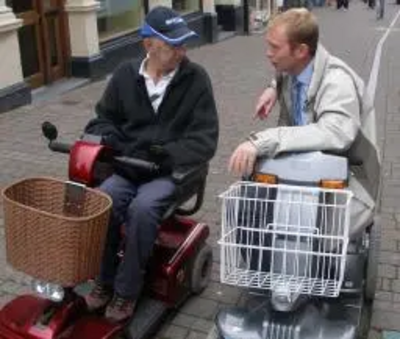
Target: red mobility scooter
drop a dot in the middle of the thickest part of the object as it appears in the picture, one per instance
(180, 264)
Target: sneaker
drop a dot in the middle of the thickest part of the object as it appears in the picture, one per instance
(98, 297)
(120, 309)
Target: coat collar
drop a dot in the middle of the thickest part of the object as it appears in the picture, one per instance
(320, 64)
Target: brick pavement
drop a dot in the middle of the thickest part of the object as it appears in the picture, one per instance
(238, 71)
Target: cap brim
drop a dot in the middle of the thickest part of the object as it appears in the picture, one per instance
(176, 37)
(179, 36)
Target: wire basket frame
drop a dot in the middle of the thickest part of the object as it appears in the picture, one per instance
(286, 237)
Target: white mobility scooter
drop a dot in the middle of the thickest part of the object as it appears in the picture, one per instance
(285, 238)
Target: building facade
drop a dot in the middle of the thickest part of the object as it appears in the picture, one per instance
(42, 41)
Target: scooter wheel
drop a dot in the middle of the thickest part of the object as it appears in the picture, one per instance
(371, 270)
(201, 269)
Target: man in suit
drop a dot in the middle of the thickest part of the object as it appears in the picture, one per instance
(323, 107)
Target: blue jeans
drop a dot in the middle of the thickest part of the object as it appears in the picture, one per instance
(140, 206)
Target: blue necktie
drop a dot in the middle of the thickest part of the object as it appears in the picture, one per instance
(297, 104)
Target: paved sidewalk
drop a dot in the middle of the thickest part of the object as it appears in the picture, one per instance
(239, 71)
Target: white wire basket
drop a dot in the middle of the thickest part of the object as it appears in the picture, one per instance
(287, 237)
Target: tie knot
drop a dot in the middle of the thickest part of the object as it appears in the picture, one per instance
(297, 83)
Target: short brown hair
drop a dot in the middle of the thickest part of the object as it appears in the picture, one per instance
(301, 27)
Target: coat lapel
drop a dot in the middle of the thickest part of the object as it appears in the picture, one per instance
(320, 62)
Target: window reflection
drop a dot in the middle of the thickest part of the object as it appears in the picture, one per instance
(119, 16)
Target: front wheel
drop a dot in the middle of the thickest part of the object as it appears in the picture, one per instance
(201, 269)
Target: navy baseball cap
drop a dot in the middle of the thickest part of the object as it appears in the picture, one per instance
(166, 24)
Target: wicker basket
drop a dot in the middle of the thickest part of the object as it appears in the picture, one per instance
(48, 242)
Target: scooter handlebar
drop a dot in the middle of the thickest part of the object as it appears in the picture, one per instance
(137, 163)
(60, 147)
(50, 132)
(151, 167)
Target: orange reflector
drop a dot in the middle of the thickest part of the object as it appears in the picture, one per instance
(266, 178)
(334, 184)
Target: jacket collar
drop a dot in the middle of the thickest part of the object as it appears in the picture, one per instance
(320, 64)
(306, 74)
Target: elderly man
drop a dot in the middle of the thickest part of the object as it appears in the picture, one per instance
(160, 109)
(323, 107)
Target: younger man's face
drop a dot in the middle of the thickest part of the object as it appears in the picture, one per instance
(280, 52)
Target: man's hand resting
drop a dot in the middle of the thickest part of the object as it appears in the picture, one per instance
(243, 159)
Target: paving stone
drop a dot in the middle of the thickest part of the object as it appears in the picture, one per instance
(11, 287)
(197, 335)
(384, 296)
(396, 286)
(201, 307)
(222, 293)
(172, 332)
(183, 320)
(385, 320)
(374, 335)
(387, 271)
(386, 284)
(5, 298)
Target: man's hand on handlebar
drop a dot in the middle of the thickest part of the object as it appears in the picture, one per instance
(162, 158)
(243, 159)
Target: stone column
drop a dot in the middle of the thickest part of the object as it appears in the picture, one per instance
(86, 59)
(210, 21)
(13, 90)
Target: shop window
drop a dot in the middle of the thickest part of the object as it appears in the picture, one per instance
(186, 6)
(118, 17)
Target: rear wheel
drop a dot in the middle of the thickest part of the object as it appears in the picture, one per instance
(201, 269)
(371, 270)
(364, 322)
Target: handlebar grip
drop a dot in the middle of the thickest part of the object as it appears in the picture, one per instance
(60, 147)
(137, 163)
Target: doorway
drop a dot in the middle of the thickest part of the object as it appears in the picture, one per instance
(43, 40)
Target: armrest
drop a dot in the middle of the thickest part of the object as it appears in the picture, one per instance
(187, 175)
(190, 182)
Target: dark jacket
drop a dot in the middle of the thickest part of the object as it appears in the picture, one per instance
(185, 126)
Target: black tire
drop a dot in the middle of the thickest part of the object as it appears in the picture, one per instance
(201, 269)
(364, 321)
(371, 269)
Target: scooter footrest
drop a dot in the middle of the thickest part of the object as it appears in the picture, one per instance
(149, 313)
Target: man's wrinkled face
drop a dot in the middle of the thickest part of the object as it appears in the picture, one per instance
(281, 54)
(167, 56)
